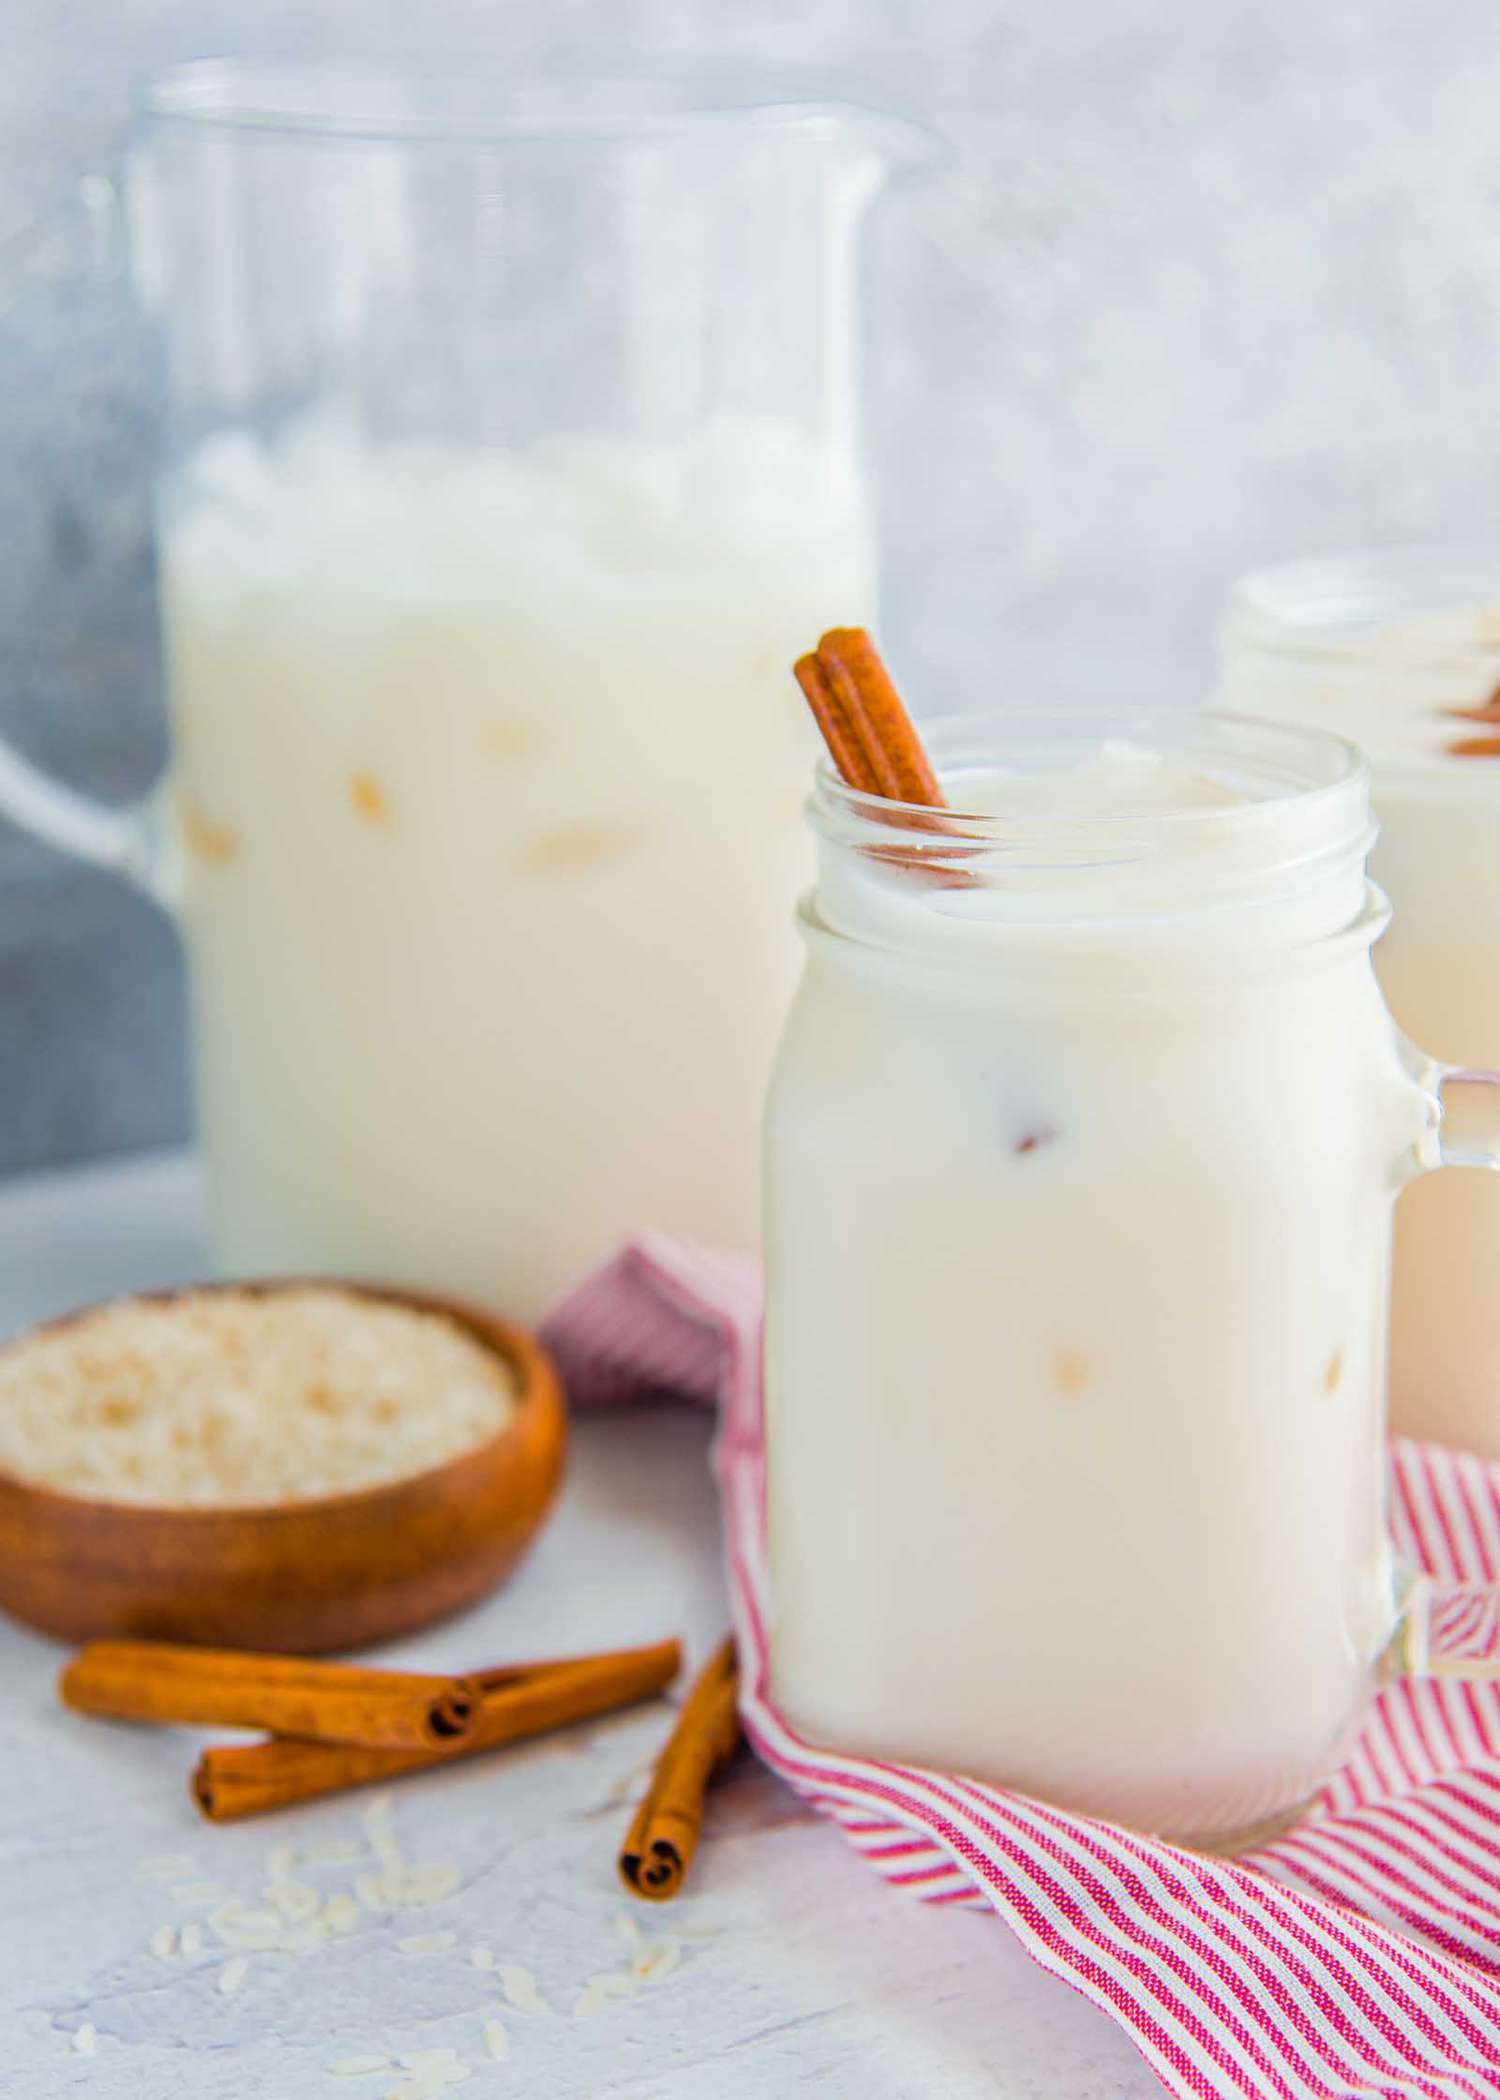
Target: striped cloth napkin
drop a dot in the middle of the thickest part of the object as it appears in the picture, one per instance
(1359, 1954)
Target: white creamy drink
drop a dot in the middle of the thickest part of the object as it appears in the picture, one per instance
(489, 778)
(1401, 653)
(1081, 1152)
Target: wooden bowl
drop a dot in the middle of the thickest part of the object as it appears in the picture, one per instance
(332, 1572)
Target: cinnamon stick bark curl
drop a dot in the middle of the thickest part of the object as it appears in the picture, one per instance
(330, 1702)
(663, 1834)
(515, 1702)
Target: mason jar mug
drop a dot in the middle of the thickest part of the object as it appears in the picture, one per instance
(1082, 1148)
(1400, 651)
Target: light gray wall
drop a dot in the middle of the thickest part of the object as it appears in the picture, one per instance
(1214, 280)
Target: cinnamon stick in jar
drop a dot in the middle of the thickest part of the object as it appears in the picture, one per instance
(663, 1834)
(893, 751)
(840, 730)
(329, 1702)
(516, 1702)
(875, 747)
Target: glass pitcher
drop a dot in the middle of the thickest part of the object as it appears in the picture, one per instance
(512, 449)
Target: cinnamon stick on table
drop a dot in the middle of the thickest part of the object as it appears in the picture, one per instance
(663, 1834)
(515, 1702)
(331, 1702)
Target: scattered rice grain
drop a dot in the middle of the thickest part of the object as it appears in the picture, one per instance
(86, 2038)
(190, 1940)
(383, 1844)
(497, 2041)
(520, 1988)
(654, 1963)
(429, 1884)
(296, 1900)
(422, 1944)
(600, 1989)
(164, 1942)
(233, 1974)
(360, 2066)
(238, 1926)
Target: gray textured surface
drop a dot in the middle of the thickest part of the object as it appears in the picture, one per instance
(1211, 282)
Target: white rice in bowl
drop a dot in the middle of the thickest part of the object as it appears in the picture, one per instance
(224, 1397)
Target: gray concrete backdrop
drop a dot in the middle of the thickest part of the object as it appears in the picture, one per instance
(1212, 281)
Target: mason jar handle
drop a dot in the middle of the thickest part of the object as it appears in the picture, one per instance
(1466, 1132)
(1448, 1629)
(83, 239)
(1451, 1629)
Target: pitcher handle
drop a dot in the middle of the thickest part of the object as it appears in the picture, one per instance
(137, 841)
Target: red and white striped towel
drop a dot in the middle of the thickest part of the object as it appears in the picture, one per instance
(1360, 1954)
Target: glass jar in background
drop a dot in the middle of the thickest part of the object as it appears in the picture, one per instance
(512, 452)
(1400, 651)
(1081, 1151)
